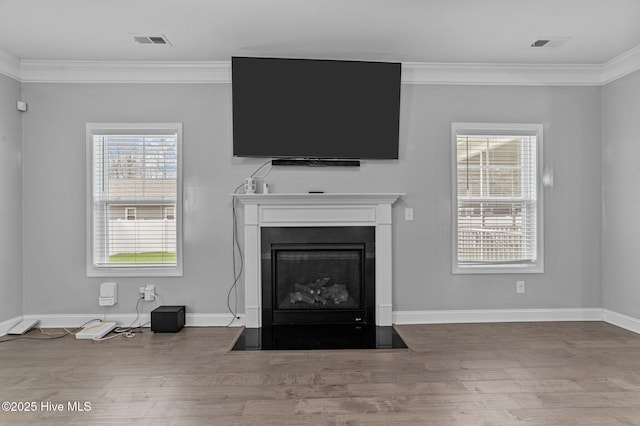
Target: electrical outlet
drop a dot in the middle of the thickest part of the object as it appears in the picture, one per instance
(520, 287)
(149, 292)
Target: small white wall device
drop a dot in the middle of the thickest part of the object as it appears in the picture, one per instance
(108, 294)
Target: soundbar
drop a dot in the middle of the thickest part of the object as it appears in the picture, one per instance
(314, 162)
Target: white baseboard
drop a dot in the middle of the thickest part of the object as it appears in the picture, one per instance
(213, 320)
(496, 315)
(8, 324)
(399, 317)
(622, 320)
(126, 320)
(77, 320)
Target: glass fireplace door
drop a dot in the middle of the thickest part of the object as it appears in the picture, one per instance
(318, 275)
(318, 279)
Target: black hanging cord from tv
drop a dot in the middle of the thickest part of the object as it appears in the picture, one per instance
(314, 162)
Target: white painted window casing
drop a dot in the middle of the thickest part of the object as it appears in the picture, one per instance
(497, 211)
(134, 179)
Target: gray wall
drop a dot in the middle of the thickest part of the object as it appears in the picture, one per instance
(54, 176)
(10, 201)
(572, 277)
(621, 194)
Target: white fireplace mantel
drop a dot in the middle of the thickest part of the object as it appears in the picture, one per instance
(338, 209)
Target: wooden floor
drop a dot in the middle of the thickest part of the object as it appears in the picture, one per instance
(578, 373)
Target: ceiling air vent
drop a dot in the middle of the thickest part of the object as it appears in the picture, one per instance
(540, 43)
(550, 41)
(151, 39)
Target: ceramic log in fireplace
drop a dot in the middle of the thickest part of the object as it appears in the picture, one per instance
(318, 275)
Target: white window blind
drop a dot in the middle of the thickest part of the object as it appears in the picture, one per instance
(497, 199)
(135, 180)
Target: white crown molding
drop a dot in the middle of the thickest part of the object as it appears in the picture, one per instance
(36, 71)
(10, 65)
(502, 74)
(56, 71)
(621, 65)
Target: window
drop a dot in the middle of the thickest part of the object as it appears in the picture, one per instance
(497, 211)
(134, 184)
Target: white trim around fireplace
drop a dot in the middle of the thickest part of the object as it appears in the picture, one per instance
(306, 210)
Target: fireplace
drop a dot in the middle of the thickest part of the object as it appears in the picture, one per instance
(318, 275)
(337, 248)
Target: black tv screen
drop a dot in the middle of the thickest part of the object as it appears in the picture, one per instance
(308, 108)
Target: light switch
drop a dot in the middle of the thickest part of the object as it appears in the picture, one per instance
(408, 214)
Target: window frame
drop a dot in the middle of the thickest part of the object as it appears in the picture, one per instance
(524, 129)
(169, 213)
(134, 214)
(127, 270)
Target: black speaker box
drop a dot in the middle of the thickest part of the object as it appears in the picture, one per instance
(167, 319)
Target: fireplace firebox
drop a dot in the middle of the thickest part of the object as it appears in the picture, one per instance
(318, 275)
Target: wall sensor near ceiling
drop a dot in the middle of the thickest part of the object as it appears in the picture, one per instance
(158, 39)
(550, 41)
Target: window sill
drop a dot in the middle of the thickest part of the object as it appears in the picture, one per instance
(134, 272)
(502, 269)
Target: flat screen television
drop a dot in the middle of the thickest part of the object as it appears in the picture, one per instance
(315, 108)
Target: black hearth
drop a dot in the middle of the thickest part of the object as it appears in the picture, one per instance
(318, 336)
(318, 275)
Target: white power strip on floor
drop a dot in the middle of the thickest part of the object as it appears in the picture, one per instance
(96, 331)
(23, 326)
